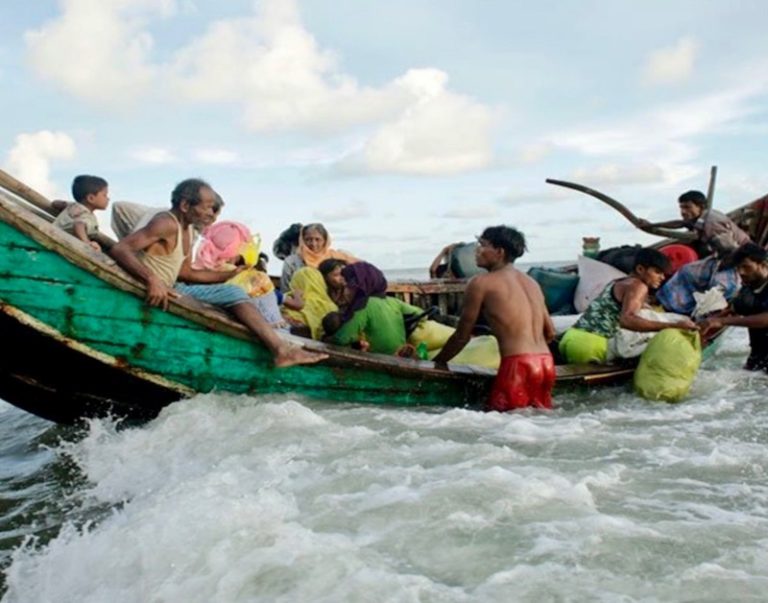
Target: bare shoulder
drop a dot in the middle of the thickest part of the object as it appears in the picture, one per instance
(161, 224)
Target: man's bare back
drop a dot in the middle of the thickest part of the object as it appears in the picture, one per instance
(514, 307)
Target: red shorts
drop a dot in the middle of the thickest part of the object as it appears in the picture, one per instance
(523, 380)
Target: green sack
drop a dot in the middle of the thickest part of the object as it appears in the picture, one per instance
(668, 365)
(558, 288)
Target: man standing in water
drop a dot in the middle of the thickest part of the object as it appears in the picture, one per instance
(514, 306)
(750, 307)
(159, 255)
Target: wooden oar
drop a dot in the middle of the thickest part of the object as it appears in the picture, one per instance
(622, 209)
(34, 198)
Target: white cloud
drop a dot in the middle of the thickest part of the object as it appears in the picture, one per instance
(440, 133)
(154, 155)
(671, 65)
(270, 66)
(29, 159)
(343, 212)
(472, 212)
(217, 156)
(274, 67)
(96, 49)
(620, 174)
(667, 136)
(534, 153)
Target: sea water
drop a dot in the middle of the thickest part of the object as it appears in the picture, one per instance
(282, 499)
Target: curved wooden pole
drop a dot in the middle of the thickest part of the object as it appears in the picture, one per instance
(622, 209)
(26, 193)
(711, 187)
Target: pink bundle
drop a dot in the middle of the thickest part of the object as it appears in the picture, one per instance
(222, 243)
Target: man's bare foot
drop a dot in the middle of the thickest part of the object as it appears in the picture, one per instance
(291, 355)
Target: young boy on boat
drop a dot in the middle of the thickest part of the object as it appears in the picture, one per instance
(750, 306)
(90, 193)
(618, 306)
(514, 306)
(717, 233)
(159, 255)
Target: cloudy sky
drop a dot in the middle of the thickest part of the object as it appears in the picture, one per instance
(401, 124)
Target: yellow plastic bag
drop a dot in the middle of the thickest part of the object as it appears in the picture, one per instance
(582, 347)
(480, 351)
(668, 365)
(433, 334)
(255, 282)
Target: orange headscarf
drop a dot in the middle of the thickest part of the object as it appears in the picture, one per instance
(315, 258)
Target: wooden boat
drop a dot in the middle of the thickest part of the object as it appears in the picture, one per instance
(80, 341)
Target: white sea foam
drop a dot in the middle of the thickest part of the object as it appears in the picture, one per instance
(234, 499)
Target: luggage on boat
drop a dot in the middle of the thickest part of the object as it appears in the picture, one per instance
(462, 261)
(558, 287)
(668, 365)
(482, 350)
(679, 255)
(622, 258)
(431, 333)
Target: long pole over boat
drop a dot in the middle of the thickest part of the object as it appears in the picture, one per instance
(711, 187)
(622, 209)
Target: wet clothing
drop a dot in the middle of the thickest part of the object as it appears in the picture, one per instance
(676, 294)
(523, 380)
(380, 322)
(602, 315)
(748, 303)
(77, 213)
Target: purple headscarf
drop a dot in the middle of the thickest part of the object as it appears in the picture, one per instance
(364, 280)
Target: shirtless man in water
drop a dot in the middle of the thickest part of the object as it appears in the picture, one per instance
(514, 307)
(159, 255)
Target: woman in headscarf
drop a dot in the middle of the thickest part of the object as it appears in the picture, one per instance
(308, 285)
(314, 247)
(371, 316)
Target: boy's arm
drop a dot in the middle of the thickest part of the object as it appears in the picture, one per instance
(125, 252)
(473, 302)
(81, 232)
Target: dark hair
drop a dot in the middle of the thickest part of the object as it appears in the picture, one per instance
(188, 190)
(287, 240)
(218, 202)
(331, 323)
(85, 185)
(652, 258)
(748, 251)
(329, 265)
(511, 240)
(695, 197)
(315, 226)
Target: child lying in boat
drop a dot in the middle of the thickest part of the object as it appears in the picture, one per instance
(91, 193)
(620, 306)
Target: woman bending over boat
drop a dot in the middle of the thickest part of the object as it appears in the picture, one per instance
(618, 306)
